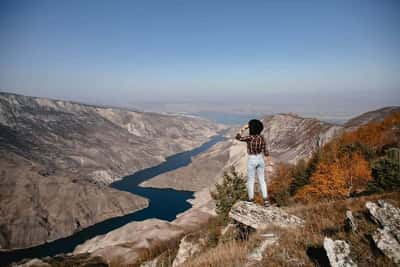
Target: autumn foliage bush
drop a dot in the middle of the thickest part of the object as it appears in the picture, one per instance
(354, 163)
(344, 165)
(279, 188)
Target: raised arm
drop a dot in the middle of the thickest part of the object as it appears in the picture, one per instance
(240, 137)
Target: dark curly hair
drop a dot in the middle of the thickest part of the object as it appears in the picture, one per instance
(255, 127)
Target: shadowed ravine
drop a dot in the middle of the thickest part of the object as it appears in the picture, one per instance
(164, 204)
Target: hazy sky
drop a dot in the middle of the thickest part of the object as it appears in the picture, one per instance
(342, 53)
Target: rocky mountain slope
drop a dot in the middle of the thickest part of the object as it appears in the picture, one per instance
(374, 115)
(94, 143)
(289, 139)
(55, 152)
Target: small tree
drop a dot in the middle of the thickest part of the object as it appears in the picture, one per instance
(386, 173)
(226, 194)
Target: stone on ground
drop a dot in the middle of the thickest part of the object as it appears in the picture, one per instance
(386, 238)
(350, 223)
(338, 252)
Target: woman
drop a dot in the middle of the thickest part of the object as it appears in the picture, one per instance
(256, 149)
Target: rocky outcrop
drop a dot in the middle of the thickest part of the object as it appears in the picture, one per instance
(188, 247)
(125, 244)
(386, 215)
(388, 244)
(258, 217)
(387, 238)
(338, 253)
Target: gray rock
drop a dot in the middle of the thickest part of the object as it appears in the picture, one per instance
(350, 222)
(388, 244)
(258, 217)
(386, 239)
(338, 252)
(386, 215)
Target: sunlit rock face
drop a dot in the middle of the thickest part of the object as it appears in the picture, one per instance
(95, 143)
(291, 138)
(57, 156)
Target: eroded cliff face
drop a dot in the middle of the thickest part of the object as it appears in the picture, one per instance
(36, 207)
(95, 143)
(291, 138)
(56, 158)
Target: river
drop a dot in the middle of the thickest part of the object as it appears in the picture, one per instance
(164, 204)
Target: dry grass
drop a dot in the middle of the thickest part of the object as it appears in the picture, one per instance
(327, 219)
(231, 254)
(322, 219)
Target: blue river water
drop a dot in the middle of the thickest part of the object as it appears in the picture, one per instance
(164, 204)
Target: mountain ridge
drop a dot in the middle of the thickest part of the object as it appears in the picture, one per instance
(49, 145)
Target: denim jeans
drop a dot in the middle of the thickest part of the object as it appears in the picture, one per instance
(255, 164)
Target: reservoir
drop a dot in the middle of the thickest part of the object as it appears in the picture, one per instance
(164, 204)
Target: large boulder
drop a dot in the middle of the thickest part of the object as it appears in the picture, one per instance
(338, 252)
(387, 238)
(258, 217)
(386, 215)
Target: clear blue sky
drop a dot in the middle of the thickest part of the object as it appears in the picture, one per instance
(120, 51)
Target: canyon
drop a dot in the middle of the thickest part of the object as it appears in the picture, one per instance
(57, 158)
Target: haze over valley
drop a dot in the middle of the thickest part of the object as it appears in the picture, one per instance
(128, 128)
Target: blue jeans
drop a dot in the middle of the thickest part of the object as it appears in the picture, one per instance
(255, 164)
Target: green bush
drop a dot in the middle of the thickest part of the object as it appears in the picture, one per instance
(386, 173)
(368, 153)
(231, 190)
(302, 172)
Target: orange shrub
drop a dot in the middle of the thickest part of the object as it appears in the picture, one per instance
(376, 134)
(279, 184)
(339, 179)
